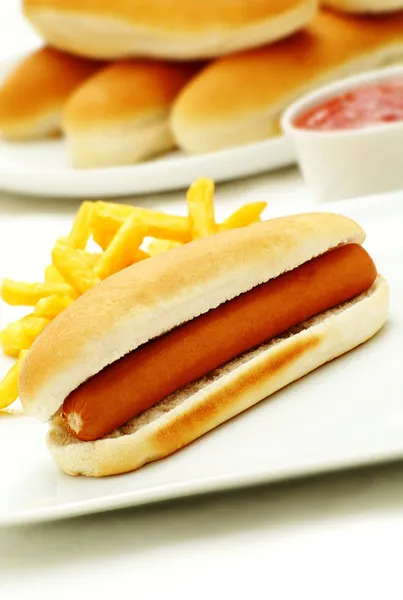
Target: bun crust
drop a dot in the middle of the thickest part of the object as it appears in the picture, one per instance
(202, 406)
(239, 99)
(34, 93)
(121, 115)
(156, 295)
(165, 28)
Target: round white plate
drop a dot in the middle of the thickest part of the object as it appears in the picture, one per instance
(41, 168)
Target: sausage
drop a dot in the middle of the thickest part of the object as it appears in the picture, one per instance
(148, 374)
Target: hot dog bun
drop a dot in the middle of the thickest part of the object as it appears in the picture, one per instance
(228, 331)
(120, 116)
(365, 6)
(34, 93)
(170, 289)
(199, 408)
(165, 28)
(238, 99)
(152, 297)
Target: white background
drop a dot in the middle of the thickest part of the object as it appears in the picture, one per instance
(333, 537)
(16, 35)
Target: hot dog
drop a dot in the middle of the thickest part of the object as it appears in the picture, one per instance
(196, 348)
(164, 351)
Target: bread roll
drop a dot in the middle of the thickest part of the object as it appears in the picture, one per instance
(154, 296)
(238, 99)
(365, 6)
(181, 29)
(34, 93)
(121, 115)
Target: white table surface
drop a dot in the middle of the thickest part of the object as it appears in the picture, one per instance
(330, 537)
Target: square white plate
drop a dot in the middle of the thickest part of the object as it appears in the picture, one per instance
(347, 413)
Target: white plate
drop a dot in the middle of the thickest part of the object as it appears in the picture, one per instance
(348, 413)
(41, 168)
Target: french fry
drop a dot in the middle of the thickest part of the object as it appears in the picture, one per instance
(19, 293)
(161, 225)
(74, 269)
(158, 246)
(21, 334)
(243, 216)
(51, 306)
(53, 275)
(9, 384)
(121, 251)
(62, 242)
(9, 387)
(81, 230)
(103, 235)
(91, 258)
(140, 255)
(114, 209)
(109, 217)
(200, 201)
(104, 226)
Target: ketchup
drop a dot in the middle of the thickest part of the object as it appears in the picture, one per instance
(372, 105)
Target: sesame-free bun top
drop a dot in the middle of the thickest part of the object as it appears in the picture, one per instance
(123, 90)
(154, 296)
(34, 92)
(121, 115)
(365, 6)
(238, 99)
(178, 29)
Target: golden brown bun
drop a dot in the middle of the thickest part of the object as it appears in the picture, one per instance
(203, 405)
(365, 6)
(185, 29)
(156, 295)
(34, 93)
(121, 115)
(238, 99)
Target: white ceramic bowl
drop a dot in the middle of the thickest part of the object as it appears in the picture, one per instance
(351, 162)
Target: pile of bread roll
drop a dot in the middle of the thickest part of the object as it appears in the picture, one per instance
(126, 81)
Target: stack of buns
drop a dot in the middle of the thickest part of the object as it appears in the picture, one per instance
(198, 75)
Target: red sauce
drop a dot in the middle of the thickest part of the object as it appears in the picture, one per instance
(381, 103)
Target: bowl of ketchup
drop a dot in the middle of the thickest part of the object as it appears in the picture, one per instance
(348, 135)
